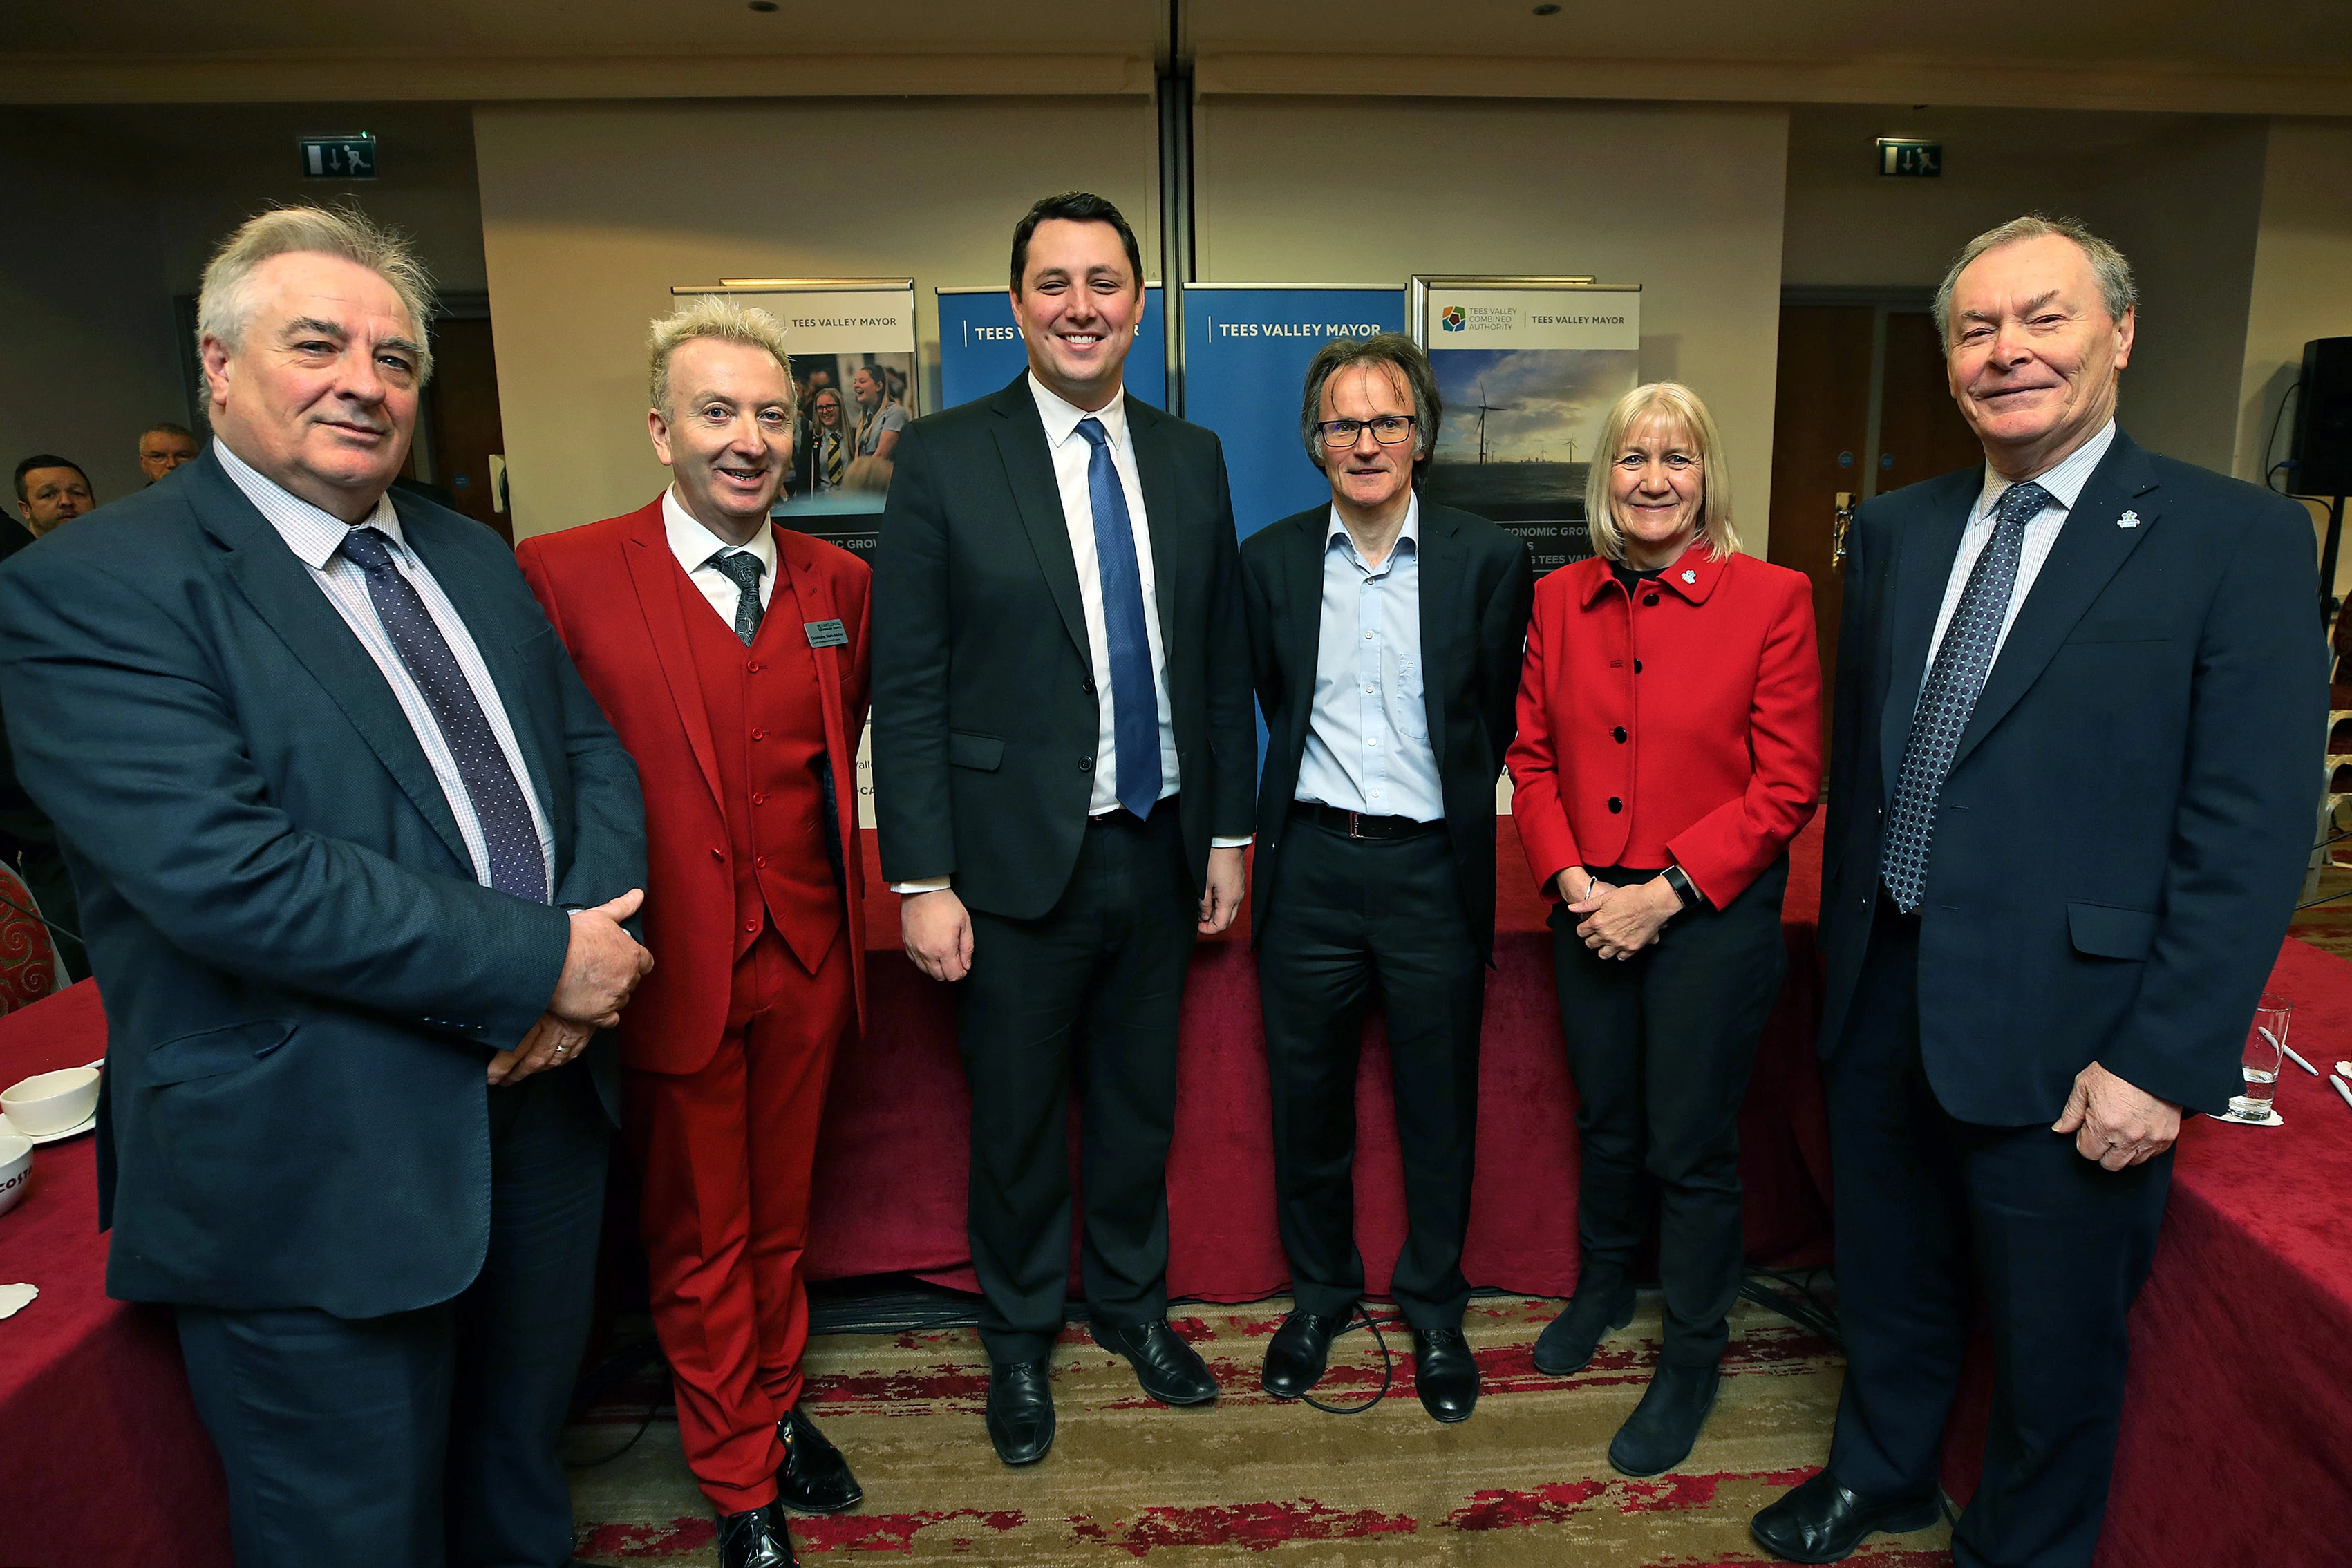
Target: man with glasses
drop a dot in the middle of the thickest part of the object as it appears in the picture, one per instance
(1385, 639)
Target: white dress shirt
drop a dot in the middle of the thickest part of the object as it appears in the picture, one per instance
(696, 548)
(1368, 735)
(316, 537)
(2065, 480)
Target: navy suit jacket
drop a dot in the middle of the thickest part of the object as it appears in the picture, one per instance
(303, 981)
(2119, 842)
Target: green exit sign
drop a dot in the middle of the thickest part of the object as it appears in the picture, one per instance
(338, 157)
(1907, 157)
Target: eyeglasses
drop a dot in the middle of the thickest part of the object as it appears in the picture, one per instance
(1388, 430)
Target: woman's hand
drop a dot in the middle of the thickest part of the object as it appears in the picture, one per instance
(1621, 921)
(1579, 891)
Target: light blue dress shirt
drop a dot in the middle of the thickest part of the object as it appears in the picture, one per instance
(1367, 741)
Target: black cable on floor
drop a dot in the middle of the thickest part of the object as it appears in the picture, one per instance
(1804, 1307)
(1388, 1365)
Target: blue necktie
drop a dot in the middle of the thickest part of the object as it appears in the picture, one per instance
(517, 865)
(1135, 702)
(1963, 661)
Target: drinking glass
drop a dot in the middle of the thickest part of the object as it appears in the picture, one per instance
(2265, 1051)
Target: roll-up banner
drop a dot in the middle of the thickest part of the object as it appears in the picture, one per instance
(981, 348)
(1528, 367)
(1246, 349)
(853, 348)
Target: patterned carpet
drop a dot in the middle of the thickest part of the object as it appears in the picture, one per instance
(1523, 1482)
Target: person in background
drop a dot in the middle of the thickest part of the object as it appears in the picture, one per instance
(49, 490)
(356, 849)
(730, 653)
(880, 416)
(165, 446)
(2081, 699)
(1669, 748)
(824, 460)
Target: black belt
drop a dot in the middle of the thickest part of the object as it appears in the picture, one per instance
(1356, 825)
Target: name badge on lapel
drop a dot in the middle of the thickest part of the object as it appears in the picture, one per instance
(825, 634)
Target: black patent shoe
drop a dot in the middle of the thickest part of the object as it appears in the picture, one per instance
(756, 1538)
(1299, 1351)
(1445, 1373)
(1819, 1520)
(1170, 1370)
(1020, 1411)
(1601, 1305)
(1664, 1427)
(816, 1479)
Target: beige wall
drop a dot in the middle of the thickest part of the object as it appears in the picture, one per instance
(1685, 200)
(590, 214)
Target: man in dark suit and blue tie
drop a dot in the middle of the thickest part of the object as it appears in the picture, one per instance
(2080, 702)
(355, 847)
(1063, 751)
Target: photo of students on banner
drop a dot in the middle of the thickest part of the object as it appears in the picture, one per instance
(852, 408)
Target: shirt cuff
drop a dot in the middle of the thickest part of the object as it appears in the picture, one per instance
(925, 885)
(1216, 843)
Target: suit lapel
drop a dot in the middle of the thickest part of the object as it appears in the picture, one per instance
(1930, 543)
(281, 592)
(1439, 568)
(2091, 547)
(654, 572)
(1155, 466)
(1029, 470)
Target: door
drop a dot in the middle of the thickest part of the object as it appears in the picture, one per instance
(461, 415)
(1821, 450)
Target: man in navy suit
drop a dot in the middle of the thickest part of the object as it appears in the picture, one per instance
(2080, 703)
(354, 846)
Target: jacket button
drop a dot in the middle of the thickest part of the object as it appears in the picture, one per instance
(1649, 599)
(758, 799)
(752, 668)
(717, 854)
(1615, 804)
(1637, 666)
(750, 926)
(1086, 764)
(758, 734)
(760, 862)
(1619, 734)
(1089, 686)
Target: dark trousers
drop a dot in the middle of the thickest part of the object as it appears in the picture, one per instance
(1090, 990)
(427, 1437)
(1350, 918)
(1929, 1210)
(1661, 1045)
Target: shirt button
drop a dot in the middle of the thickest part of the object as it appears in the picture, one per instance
(1615, 805)
(1368, 636)
(1376, 794)
(1372, 691)
(758, 734)
(1620, 734)
(1371, 740)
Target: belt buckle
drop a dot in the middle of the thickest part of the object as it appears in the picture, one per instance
(1355, 820)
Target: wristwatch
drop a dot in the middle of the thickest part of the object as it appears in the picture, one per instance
(1685, 889)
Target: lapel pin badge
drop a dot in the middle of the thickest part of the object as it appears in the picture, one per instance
(2128, 520)
(1689, 576)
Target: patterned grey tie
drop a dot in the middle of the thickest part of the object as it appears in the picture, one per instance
(1954, 684)
(744, 569)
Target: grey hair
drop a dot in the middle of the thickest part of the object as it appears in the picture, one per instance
(1394, 349)
(717, 316)
(2118, 290)
(225, 306)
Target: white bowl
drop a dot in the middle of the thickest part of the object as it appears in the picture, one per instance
(51, 1101)
(15, 1169)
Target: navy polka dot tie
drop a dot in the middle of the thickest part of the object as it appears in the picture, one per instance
(744, 569)
(517, 865)
(1963, 661)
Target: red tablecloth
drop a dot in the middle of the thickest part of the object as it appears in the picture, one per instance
(2237, 1427)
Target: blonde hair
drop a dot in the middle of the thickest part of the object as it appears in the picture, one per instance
(225, 304)
(716, 315)
(1677, 404)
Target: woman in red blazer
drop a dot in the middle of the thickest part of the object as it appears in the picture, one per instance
(1668, 749)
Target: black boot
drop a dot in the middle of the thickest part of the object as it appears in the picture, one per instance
(1660, 1432)
(1603, 1301)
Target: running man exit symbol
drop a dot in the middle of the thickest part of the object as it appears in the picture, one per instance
(1908, 156)
(338, 157)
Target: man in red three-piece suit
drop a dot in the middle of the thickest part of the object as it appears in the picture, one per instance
(730, 655)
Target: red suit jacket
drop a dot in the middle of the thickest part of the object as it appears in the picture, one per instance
(612, 590)
(1683, 724)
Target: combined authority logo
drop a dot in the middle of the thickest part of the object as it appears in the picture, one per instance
(1453, 319)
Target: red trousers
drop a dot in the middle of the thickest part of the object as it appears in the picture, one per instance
(726, 1154)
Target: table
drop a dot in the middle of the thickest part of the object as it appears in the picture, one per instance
(2237, 1424)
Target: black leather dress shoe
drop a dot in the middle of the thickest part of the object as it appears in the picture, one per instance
(1020, 1411)
(755, 1538)
(1663, 1426)
(1820, 1520)
(1568, 1342)
(1170, 1370)
(1300, 1349)
(1445, 1373)
(816, 1478)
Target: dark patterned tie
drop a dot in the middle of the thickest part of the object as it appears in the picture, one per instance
(744, 569)
(1954, 683)
(517, 865)
(1134, 701)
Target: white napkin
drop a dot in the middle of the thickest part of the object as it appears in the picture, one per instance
(14, 1299)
